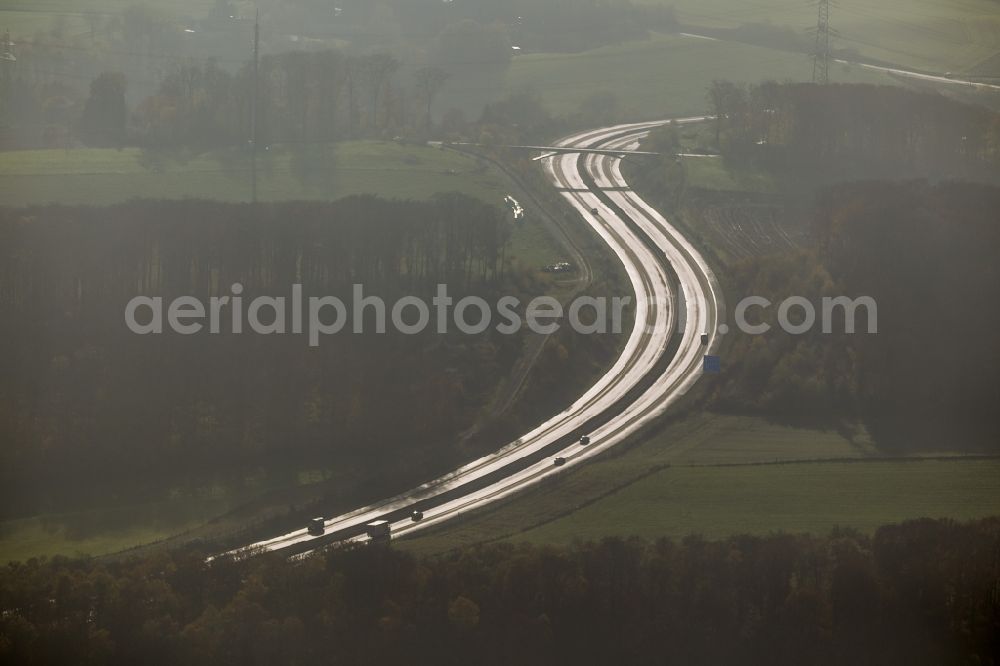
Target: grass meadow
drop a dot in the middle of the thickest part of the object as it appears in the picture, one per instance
(719, 475)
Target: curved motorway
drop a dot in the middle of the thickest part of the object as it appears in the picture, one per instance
(677, 301)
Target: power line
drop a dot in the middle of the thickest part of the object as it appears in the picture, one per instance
(253, 108)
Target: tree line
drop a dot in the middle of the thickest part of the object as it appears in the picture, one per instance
(303, 97)
(81, 397)
(926, 254)
(193, 86)
(923, 592)
(853, 132)
(841, 158)
(199, 247)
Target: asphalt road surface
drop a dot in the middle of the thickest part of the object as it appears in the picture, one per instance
(677, 301)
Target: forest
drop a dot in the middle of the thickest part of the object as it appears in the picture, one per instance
(927, 255)
(870, 181)
(826, 134)
(922, 592)
(82, 398)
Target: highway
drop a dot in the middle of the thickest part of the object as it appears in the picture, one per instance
(933, 78)
(677, 301)
(949, 80)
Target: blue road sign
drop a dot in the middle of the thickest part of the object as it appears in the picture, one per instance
(713, 364)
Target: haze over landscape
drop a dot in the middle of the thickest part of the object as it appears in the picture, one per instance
(499, 331)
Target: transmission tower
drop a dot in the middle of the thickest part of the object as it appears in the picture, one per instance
(821, 51)
(7, 59)
(7, 48)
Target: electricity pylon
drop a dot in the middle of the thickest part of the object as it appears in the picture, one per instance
(821, 51)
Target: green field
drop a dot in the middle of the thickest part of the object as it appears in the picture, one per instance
(94, 176)
(103, 531)
(669, 74)
(224, 506)
(26, 17)
(104, 176)
(665, 76)
(803, 497)
(938, 35)
(716, 475)
(710, 173)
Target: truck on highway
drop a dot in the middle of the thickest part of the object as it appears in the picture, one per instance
(317, 526)
(379, 531)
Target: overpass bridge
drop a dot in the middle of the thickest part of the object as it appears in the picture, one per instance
(549, 151)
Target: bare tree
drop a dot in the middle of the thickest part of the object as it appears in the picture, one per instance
(430, 80)
(724, 96)
(378, 70)
(353, 73)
